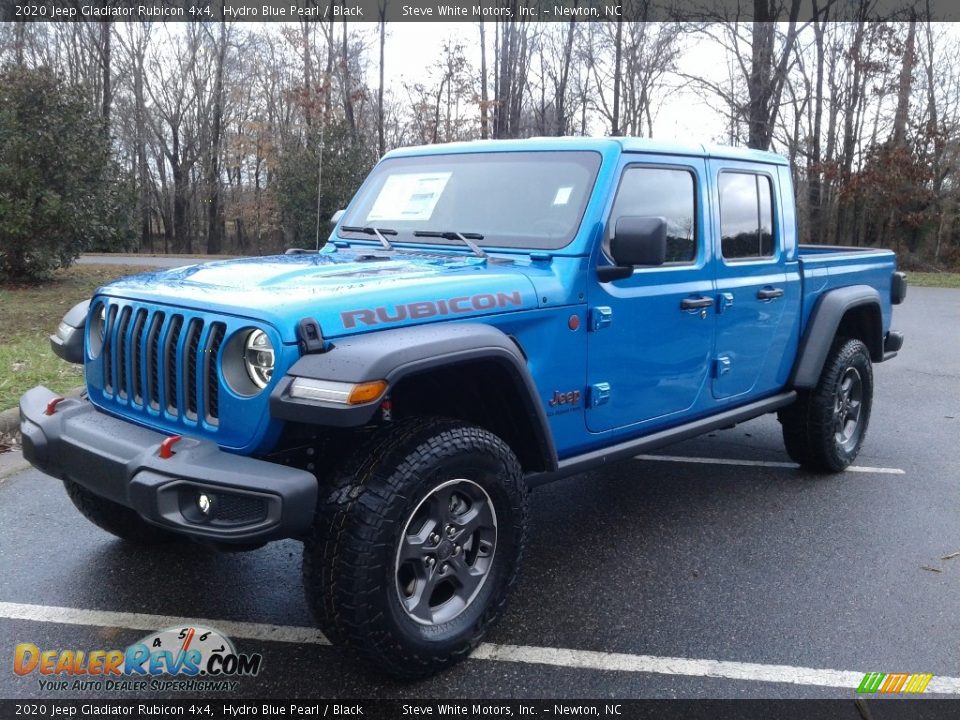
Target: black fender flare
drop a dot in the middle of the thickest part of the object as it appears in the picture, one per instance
(392, 355)
(822, 328)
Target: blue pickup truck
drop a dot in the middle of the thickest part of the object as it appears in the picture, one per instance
(484, 317)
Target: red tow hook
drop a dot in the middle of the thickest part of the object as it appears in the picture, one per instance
(166, 447)
(52, 405)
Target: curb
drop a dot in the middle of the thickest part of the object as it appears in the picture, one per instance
(10, 419)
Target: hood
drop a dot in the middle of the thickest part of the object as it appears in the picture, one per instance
(347, 291)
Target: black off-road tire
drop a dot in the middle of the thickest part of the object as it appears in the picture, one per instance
(351, 561)
(812, 425)
(116, 519)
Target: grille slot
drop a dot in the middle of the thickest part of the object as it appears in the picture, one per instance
(214, 340)
(170, 362)
(192, 346)
(139, 320)
(108, 383)
(122, 352)
(239, 510)
(153, 360)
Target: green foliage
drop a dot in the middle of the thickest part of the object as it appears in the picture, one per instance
(345, 164)
(59, 188)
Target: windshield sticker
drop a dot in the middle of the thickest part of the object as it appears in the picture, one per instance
(563, 196)
(411, 196)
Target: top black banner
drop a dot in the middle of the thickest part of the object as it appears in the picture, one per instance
(472, 11)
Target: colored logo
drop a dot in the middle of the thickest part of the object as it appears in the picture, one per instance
(894, 682)
(198, 658)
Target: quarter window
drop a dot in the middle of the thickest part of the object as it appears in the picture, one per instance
(660, 192)
(746, 215)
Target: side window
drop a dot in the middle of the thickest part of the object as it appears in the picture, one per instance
(746, 216)
(660, 192)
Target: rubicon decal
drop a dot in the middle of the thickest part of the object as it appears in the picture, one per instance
(185, 651)
(878, 682)
(431, 308)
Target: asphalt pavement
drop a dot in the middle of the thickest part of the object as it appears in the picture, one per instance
(740, 578)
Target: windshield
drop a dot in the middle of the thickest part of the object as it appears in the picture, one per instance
(512, 199)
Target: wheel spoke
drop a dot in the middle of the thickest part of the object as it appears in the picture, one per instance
(418, 604)
(418, 546)
(468, 578)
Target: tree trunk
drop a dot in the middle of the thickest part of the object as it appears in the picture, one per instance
(106, 29)
(617, 71)
(483, 82)
(381, 141)
(214, 208)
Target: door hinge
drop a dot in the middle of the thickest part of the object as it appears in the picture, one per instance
(600, 317)
(724, 300)
(599, 394)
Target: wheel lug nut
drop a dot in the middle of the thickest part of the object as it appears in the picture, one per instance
(434, 538)
(457, 549)
(451, 531)
(430, 561)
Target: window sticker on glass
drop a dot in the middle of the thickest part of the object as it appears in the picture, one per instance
(563, 196)
(410, 196)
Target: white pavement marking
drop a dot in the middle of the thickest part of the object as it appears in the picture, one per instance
(142, 621)
(559, 657)
(760, 463)
(621, 662)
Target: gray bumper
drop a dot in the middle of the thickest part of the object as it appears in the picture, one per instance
(252, 500)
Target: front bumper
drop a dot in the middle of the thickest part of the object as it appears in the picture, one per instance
(252, 500)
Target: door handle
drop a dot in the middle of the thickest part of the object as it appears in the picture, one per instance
(695, 303)
(769, 293)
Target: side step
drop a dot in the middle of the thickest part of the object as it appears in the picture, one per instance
(637, 446)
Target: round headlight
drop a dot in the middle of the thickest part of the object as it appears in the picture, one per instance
(258, 357)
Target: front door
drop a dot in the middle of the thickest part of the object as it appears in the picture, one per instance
(651, 334)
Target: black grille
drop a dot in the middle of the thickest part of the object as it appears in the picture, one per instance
(239, 510)
(192, 345)
(217, 332)
(137, 342)
(153, 360)
(170, 360)
(164, 361)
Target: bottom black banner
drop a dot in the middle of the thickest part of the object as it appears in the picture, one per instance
(859, 709)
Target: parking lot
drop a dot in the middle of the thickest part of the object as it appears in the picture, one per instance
(715, 569)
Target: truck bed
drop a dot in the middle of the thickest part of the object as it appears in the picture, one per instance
(826, 267)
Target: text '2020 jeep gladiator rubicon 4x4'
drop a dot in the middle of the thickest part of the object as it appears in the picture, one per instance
(484, 317)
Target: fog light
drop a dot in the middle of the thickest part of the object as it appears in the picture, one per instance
(205, 504)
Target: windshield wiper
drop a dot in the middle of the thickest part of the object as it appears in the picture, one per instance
(379, 232)
(466, 238)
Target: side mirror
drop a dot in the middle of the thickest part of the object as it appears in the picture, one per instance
(335, 218)
(635, 241)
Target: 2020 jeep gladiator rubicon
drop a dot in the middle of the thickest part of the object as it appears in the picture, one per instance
(484, 317)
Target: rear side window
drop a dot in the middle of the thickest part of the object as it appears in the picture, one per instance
(660, 192)
(746, 216)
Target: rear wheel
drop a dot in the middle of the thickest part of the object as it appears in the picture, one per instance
(417, 544)
(825, 428)
(115, 518)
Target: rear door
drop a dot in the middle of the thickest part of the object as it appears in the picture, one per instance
(752, 282)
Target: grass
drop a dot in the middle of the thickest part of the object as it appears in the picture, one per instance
(937, 279)
(29, 314)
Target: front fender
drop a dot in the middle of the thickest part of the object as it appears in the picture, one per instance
(392, 355)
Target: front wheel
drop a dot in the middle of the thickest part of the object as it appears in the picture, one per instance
(825, 428)
(417, 544)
